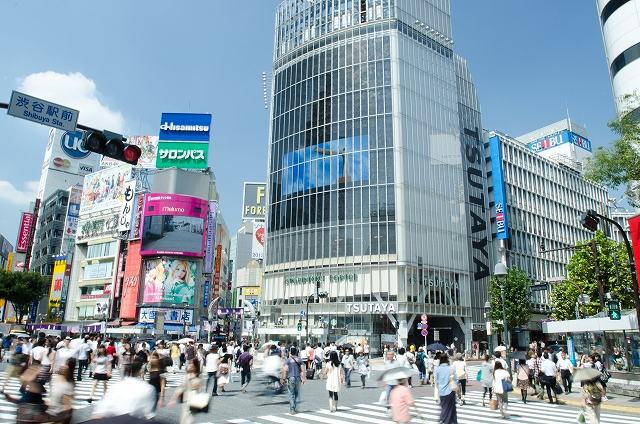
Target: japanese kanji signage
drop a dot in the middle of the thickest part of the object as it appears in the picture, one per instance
(124, 218)
(171, 316)
(55, 294)
(182, 155)
(43, 112)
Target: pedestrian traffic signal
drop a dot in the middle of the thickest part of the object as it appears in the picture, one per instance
(111, 145)
(300, 325)
(589, 220)
(614, 310)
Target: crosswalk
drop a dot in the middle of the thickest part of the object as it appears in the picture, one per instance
(82, 392)
(427, 411)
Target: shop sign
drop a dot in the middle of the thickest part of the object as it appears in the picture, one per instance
(371, 308)
(251, 291)
(171, 316)
(124, 217)
(254, 201)
(97, 227)
(182, 155)
(317, 278)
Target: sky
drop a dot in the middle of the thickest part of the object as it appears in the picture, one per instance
(123, 63)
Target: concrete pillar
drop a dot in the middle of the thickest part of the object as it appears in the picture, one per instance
(403, 330)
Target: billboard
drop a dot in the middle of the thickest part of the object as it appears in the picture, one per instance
(148, 145)
(5, 247)
(126, 210)
(131, 281)
(57, 280)
(71, 221)
(104, 189)
(216, 271)
(254, 201)
(185, 127)
(211, 237)
(24, 233)
(634, 229)
(171, 316)
(182, 154)
(558, 139)
(499, 192)
(257, 241)
(169, 280)
(96, 227)
(173, 224)
(332, 163)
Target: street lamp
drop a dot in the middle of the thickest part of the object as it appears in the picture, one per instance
(583, 299)
(319, 295)
(500, 272)
(487, 310)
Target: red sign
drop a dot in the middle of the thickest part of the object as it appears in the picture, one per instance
(24, 235)
(216, 275)
(634, 228)
(131, 282)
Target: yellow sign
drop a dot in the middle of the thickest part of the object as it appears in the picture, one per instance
(55, 294)
(9, 261)
(251, 291)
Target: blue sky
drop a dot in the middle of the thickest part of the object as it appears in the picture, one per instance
(132, 60)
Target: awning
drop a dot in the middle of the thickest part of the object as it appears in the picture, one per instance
(628, 322)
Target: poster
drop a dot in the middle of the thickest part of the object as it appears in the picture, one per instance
(169, 280)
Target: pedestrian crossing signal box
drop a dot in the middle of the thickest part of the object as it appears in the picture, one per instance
(614, 310)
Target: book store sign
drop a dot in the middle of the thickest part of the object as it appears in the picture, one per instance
(371, 307)
(317, 278)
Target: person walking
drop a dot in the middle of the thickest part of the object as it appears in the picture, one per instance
(500, 376)
(460, 367)
(403, 360)
(224, 372)
(549, 371)
(211, 368)
(174, 351)
(430, 365)
(566, 369)
(191, 385)
(363, 367)
(101, 372)
(421, 364)
(593, 392)
(522, 377)
(486, 371)
(445, 379)
(294, 375)
(60, 400)
(84, 356)
(348, 363)
(401, 400)
(245, 361)
(157, 380)
(130, 396)
(334, 380)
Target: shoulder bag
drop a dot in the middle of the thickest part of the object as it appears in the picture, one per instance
(198, 401)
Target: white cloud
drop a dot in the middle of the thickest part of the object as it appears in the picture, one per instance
(75, 91)
(10, 194)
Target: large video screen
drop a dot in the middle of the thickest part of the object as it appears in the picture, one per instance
(173, 225)
(332, 163)
(169, 280)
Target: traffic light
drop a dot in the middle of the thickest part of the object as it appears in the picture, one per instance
(111, 145)
(589, 220)
(614, 310)
(300, 325)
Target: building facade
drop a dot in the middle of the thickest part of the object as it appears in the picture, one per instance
(48, 237)
(536, 204)
(376, 189)
(620, 22)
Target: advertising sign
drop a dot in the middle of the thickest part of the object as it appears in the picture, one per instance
(211, 237)
(148, 145)
(185, 127)
(5, 247)
(634, 229)
(254, 201)
(251, 291)
(557, 139)
(173, 224)
(104, 189)
(124, 217)
(216, 271)
(499, 192)
(207, 290)
(96, 227)
(131, 281)
(183, 155)
(71, 220)
(136, 218)
(332, 163)
(24, 233)
(42, 111)
(169, 280)
(57, 279)
(171, 316)
(257, 241)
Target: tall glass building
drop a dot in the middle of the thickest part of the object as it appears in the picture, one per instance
(377, 181)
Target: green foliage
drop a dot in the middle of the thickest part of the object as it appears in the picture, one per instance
(619, 164)
(612, 260)
(516, 299)
(21, 289)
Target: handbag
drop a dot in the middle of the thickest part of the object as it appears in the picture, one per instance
(452, 384)
(199, 401)
(557, 389)
(605, 376)
(507, 386)
(493, 404)
(479, 376)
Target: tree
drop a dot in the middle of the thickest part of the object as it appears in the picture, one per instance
(619, 164)
(516, 298)
(613, 273)
(21, 289)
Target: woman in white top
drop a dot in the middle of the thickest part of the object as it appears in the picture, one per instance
(101, 372)
(334, 379)
(499, 376)
(460, 368)
(60, 400)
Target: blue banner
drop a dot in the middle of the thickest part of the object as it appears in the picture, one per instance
(558, 139)
(499, 192)
(185, 127)
(207, 289)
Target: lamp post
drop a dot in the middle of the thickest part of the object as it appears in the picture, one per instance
(315, 295)
(487, 309)
(500, 272)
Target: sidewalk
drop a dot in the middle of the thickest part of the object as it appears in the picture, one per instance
(615, 403)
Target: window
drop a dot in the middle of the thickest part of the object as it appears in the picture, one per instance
(624, 58)
(101, 250)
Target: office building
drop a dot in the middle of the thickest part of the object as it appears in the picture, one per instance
(377, 195)
(620, 24)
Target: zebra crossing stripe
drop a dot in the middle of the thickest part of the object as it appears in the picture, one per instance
(277, 419)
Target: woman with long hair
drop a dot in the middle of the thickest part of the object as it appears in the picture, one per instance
(60, 400)
(334, 379)
(487, 377)
(101, 372)
(156, 378)
(501, 375)
(190, 385)
(224, 372)
(523, 379)
(181, 281)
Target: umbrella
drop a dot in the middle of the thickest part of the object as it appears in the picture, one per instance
(397, 373)
(585, 374)
(185, 340)
(500, 348)
(437, 346)
(269, 343)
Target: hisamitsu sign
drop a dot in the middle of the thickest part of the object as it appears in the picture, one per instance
(42, 111)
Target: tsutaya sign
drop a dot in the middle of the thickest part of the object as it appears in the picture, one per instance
(370, 308)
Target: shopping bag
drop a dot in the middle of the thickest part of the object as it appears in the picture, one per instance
(493, 404)
(479, 376)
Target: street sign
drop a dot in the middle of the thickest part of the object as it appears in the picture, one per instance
(419, 326)
(42, 111)
(424, 332)
(423, 317)
(539, 287)
(302, 313)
